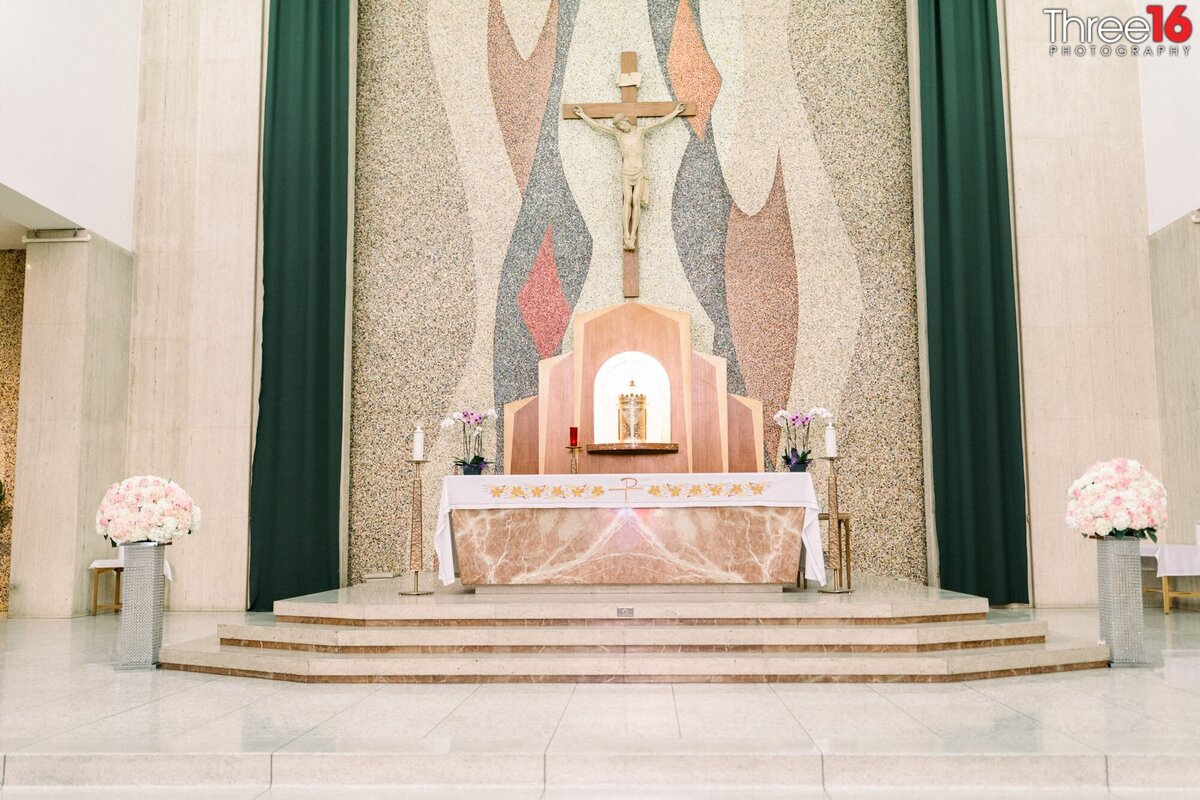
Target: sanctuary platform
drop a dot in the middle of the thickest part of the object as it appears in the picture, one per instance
(886, 631)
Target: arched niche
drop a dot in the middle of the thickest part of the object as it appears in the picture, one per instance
(612, 380)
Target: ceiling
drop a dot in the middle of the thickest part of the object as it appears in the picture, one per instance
(18, 214)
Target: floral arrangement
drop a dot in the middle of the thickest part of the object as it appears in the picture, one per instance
(472, 461)
(1117, 498)
(795, 434)
(145, 508)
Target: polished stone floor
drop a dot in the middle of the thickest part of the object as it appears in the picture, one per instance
(66, 718)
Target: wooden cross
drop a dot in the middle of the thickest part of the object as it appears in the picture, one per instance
(628, 80)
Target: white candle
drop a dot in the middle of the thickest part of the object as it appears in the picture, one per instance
(830, 440)
(418, 444)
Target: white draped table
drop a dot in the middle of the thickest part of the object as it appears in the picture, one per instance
(766, 490)
(1175, 560)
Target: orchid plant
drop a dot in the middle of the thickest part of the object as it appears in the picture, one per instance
(795, 428)
(471, 422)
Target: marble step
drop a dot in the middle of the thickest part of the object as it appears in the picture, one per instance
(999, 629)
(380, 605)
(1057, 654)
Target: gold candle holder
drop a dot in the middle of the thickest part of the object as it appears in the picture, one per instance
(574, 459)
(416, 535)
(839, 537)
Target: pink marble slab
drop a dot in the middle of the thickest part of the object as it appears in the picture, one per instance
(549, 546)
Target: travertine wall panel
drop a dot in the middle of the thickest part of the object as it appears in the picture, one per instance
(72, 431)
(1088, 363)
(12, 296)
(195, 233)
(1175, 296)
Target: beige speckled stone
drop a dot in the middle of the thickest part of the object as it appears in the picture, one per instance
(823, 99)
(415, 292)
(852, 71)
(12, 294)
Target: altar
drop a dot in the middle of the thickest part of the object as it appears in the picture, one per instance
(633, 465)
(663, 529)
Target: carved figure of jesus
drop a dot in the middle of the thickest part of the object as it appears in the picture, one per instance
(635, 186)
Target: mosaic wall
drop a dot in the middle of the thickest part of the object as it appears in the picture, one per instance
(780, 218)
(12, 295)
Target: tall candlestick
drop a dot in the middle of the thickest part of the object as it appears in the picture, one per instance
(830, 440)
(839, 536)
(574, 436)
(418, 444)
(416, 544)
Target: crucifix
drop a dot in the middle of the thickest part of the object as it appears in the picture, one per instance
(635, 186)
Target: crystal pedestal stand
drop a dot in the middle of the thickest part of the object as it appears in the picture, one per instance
(141, 607)
(574, 459)
(1122, 627)
(839, 537)
(416, 533)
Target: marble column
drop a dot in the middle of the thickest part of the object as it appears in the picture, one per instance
(1175, 293)
(195, 231)
(1082, 262)
(71, 427)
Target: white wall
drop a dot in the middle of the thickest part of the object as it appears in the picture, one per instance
(1171, 133)
(68, 85)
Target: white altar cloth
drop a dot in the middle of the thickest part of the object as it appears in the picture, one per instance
(1175, 560)
(119, 562)
(777, 489)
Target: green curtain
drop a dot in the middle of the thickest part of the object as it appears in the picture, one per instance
(975, 399)
(295, 491)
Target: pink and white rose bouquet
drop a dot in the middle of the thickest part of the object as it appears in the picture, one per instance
(145, 508)
(1117, 498)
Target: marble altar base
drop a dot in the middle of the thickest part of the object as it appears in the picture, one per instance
(622, 546)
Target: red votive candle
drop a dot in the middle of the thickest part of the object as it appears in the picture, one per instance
(574, 437)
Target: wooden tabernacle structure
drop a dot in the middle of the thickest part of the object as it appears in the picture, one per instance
(715, 431)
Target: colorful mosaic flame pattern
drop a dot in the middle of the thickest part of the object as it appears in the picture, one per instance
(543, 305)
(523, 336)
(760, 264)
(781, 221)
(520, 87)
(693, 74)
